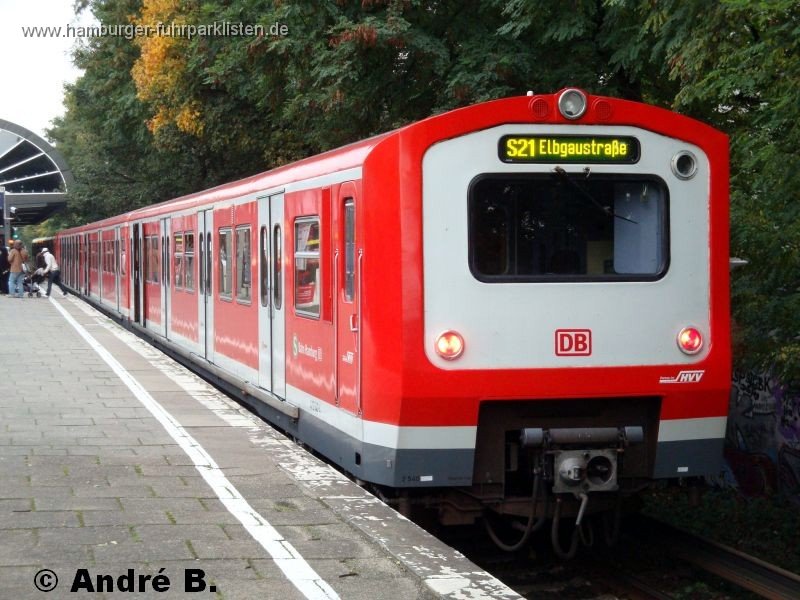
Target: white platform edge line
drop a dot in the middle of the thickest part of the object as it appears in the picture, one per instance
(312, 474)
(293, 565)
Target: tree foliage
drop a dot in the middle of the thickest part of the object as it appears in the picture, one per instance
(155, 117)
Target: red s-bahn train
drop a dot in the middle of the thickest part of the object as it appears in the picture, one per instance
(520, 306)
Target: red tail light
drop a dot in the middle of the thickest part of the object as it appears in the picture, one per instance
(449, 345)
(690, 340)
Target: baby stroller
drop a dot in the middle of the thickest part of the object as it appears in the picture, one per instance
(31, 281)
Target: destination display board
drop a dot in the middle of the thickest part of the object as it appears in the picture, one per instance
(568, 149)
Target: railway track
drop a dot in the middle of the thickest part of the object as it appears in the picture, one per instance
(537, 574)
(635, 569)
(748, 572)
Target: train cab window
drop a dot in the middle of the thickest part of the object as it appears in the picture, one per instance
(178, 257)
(225, 263)
(542, 227)
(243, 266)
(188, 261)
(306, 266)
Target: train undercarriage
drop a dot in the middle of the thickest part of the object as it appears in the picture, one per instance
(568, 465)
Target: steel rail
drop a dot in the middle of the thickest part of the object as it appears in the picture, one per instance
(762, 578)
(630, 586)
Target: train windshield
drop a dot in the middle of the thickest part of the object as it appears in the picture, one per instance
(556, 226)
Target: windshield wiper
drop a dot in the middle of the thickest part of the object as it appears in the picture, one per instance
(562, 174)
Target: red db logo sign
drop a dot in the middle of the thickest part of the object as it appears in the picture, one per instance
(573, 342)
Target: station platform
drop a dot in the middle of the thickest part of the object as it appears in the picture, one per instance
(121, 471)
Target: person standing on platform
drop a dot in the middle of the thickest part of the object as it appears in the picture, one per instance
(53, 273)
(4, 270)
(16, 259)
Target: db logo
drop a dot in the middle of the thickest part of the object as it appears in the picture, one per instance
(573, 342)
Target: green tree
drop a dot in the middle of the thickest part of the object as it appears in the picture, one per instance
(153, 119)
(738, 63)
(734, 64)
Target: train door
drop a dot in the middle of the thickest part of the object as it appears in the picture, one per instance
(348, 314)
(73, 262)
(205, 299)
(271, 315)
(166, 296)
(101, 264)
(136, 274)
(118, 269)
(87, 254)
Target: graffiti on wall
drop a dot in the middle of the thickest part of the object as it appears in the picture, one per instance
(763, 436)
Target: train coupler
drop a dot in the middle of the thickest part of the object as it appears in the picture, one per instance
(585, 459)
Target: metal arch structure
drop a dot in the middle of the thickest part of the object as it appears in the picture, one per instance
(34, 174)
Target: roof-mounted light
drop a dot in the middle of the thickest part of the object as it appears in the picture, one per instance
(572, 103)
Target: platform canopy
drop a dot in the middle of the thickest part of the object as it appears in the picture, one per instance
(34, 174)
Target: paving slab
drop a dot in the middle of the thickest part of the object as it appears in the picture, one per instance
(96, 480)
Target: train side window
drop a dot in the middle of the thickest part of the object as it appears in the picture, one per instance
(306, 266)
(155, 256)
(208, 264)
(153, 262)
(145, 260)
(277, 268)
(264, 265)
(188, 261)
(178, 268)
(349, 249)
(225, 263)
(243, 265)
(201, 266)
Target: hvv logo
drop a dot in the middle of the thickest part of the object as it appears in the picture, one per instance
(684, 377)
(573, 342)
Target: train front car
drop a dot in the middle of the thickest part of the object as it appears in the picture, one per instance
(564, 289)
